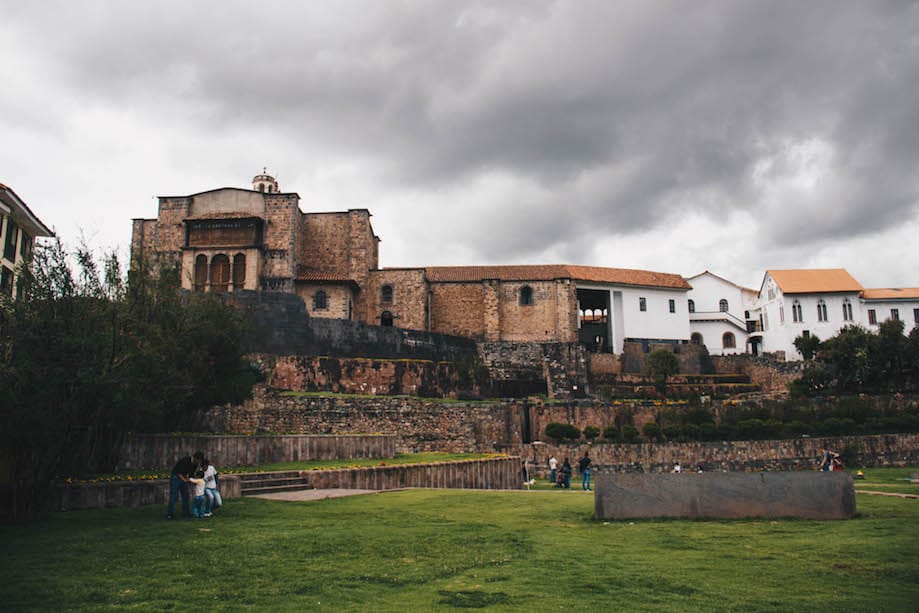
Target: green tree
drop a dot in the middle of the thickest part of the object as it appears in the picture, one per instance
(807, 345)
(848, 355)
(86, 357)
(662, 364)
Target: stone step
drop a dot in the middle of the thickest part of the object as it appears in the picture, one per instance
(269, 489)
(247, 485)
(244, 477)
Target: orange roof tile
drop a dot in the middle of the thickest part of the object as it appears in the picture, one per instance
(549, 272)
(815, 280)
(891, 293)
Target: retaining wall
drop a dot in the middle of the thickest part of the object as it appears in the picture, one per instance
(163, 450)
(488, 473)
(774, 455)
(811, 495)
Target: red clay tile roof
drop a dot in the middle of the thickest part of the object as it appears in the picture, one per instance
(549, 272)
(815, 280)
(891, 293)
(325, 277)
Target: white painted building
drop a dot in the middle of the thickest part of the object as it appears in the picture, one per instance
(881, 304)
(19, 227)
(719, 311)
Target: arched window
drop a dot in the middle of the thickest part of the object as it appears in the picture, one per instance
(320, 301)
(239, 271)
(821, 310)
(797, 315)
(220, 273)
(696, 339)
(526, 295)
(728, 341)
(201, 273)
(386, 319)
(692, 305)
(847, 310)
(261, 187)
(386, 294)
(723, 305)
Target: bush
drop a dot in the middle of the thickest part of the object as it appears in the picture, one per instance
(651, 430)
(591, 432)
(562, 432)
(609, 433)
(629, 433)
(605, 391)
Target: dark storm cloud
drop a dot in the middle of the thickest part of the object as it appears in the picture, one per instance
(610, 118)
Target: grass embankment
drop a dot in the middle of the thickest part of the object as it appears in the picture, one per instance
(438, 549)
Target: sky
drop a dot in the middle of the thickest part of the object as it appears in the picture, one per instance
(728, 136)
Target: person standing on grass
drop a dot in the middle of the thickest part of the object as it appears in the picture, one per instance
(178, 483)
(584, 467)
(566, 474)
(212, 495)
(553, 464)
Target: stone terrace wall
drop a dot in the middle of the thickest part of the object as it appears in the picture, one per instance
(163, 450)
(417, 423)
(487, 474)
(281, 326)
(789, 454)
(358, 375)
(769, 373)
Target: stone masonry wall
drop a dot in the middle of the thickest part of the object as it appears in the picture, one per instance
(358, 375)
(770, 374)
(409, 297)
(787, 454)
(417, 423)
(458, 308)
(152, 451)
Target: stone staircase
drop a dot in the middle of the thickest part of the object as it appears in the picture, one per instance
(252, 484)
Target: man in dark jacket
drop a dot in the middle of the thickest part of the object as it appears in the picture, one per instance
(584, 467)
(178, 483)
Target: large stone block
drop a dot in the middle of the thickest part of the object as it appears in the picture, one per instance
(808, 494)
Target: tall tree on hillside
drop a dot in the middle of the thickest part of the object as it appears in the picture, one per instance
(86, 357)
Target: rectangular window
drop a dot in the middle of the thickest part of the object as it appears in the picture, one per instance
(872, 317)
(642, 304)
(672, 306)
(895, 314)
(781, 314)
(25, 246)
(12, 236)
(6, 281)
(916, 315)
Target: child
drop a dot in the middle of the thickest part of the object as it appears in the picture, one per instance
(198, 481)
(211, 495)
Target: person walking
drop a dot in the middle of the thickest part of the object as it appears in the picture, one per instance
(553, 465)
(584, 467)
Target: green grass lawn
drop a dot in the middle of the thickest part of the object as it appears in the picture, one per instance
(442, 549)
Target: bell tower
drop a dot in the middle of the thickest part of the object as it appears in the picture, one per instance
(264, 182)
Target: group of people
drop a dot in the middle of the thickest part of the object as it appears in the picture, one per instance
(197, 471)
(562, 477)
(830, 461)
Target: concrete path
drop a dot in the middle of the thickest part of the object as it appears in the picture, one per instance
(306, 495)
(894, 494)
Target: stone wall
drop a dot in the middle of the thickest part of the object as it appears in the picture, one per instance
(153, 451)
(769, 373)
(418, 424)
(487, 474)
(358, 375)
(484, 474)
(787, 454)
(409, 304)
(558, 370)
(280, 325)
(725, 495)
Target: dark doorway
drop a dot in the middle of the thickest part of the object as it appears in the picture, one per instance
(593, 317)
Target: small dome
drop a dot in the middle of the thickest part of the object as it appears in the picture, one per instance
(264, 182)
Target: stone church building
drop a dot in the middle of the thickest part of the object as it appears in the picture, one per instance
(258, 239)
